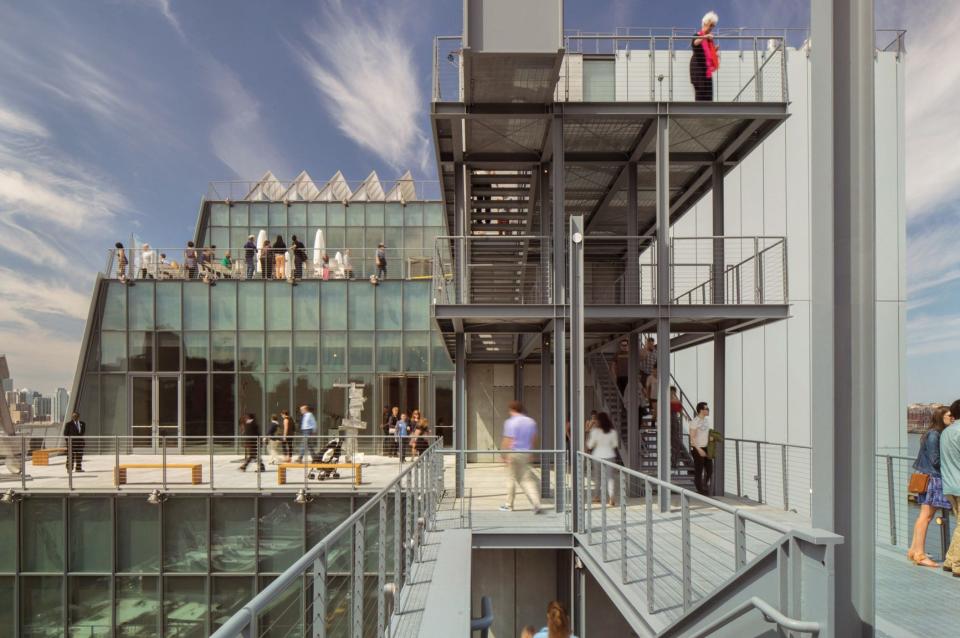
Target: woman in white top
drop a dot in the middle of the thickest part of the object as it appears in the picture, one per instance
(602, 443)
(699, 443)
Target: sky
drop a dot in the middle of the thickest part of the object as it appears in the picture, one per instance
(116, 114)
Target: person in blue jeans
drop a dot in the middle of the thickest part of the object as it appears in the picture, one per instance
(308, 429)
(250, 256)
(403, 430)
(928, 462)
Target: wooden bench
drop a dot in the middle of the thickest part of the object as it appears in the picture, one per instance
(42, 457)
(283, 467)
(120, 472)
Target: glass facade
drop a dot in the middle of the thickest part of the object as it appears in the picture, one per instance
(119, 566)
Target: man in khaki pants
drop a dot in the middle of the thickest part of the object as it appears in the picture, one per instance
(950, 471)
(519, 435)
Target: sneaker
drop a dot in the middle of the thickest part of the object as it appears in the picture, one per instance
(537, 511)
(506, 508)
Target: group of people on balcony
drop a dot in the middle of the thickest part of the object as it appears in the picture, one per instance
(406, 431)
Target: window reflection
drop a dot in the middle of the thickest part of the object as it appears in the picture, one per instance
(185, 606)
(278, 351)
(138, 524)
(232, 535)
(185, 534)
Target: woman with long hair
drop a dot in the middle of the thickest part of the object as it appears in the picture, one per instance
(928, 462)
(602, 443)
(558, 622)
(279, 257)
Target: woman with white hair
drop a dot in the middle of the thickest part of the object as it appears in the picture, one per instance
(705, 59)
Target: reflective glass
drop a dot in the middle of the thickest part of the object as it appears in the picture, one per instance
(113, 405)
(223, 351)
(138, 534)
(195, 351)
(185, 534)
(317, 214)
(306, 390)
(388, 352)
(389, 306)
(233, 535)
(335, 241)
(335, 214)
(306, 306)
(394, 214)
(88, 609)
(433, 214)
(333, 305)
(297, 215)
(239, 215)
(413, 214)
(278, 215)
(168, 305)
(278, 351)
(278, 306)
(305, 348)
(416, 305)
(250, 396)
(333, 403)
(113, 351)
(333, 355)
(278, 395)
(41, 605)
(258, 217)
(284, 616)
(238, 237)
(250, 305)
(355, 214)
(441, 358)
(115, 307)
(195, 306)
(416, 351)
(93, 353)
(250, 355)
(224, 410)
(229, 594)
(185, 606)
(140, 354)
(140, 303)
(91, 534)
(281, 533)
(220, 237)
(374, 215)
(89, 402)
(412, 242)
(361, 351)
(219, 215)
(8, 605)
(194, 408)
(443, 405)
(42, 535)
(223, 306)
(137, 605)
(8, 548)
(323, 516)
(361, 305)
(168, 352)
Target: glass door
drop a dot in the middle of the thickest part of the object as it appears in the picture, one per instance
(408, 393)
(154, 412)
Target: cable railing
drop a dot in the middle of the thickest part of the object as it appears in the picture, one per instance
(400, 190)
(728, 270)
(506, 269)
(897, 509)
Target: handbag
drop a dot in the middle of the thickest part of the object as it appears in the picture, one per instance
(918, 483)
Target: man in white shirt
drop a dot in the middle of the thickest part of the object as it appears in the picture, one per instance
(148, 262)
(699, 439)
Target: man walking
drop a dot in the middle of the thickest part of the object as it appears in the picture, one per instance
(950, 472)
(250, 256)
(251, 443)
(519, 436)
(308, 429)
(381, 261)
(74, 430)
(648, 359)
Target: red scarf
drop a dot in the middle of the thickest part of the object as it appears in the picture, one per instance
(709, 53)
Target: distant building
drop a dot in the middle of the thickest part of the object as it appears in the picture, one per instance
(918, 416)
(42, 407)
(61, 399)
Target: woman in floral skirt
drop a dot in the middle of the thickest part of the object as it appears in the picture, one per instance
(928, 462)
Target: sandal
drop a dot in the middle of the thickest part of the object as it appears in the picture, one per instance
(922, 560)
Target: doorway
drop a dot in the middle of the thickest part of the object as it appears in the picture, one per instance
(408, 393)
(155, 415)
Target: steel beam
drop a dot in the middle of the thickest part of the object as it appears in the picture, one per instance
(576, 351)
(663, 299)
(460, 407)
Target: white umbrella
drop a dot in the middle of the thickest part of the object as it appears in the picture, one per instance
(319, 247)
(261, 237)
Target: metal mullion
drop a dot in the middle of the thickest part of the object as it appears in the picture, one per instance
(66, 564)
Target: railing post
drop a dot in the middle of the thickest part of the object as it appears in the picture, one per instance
(685, 549)
(163, 462)
(588, 498)
(382, 567)
(786, 483)
(739, 542)
(757, 288)
(210, 451)
(756, 72)
(603, 510)
(70, 463)
(23, 462)
(891, 502)
(624, 477)
(358, 551)
(116, 462)
(397, 537)
(736, 450)
(648, 546)
(320, 596)
(759, 475)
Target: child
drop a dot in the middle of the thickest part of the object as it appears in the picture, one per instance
(402, 431)
(528, 631)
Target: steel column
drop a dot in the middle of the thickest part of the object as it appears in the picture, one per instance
(460, 408)
(719, 486)
(560, 274)
(663, 301)
(718, 232)
(632, 402)
(576, 337)
(358, 555)
(461, 225)
(546, 418)
(320, 596)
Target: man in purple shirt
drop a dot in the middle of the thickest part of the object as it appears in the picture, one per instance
(519, 436)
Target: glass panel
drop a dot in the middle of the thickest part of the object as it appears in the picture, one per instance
(416, 305)
(194, 407)
(115, 307)
(41, 603)
(317, 214)
(195, 306)
(333, 305)
(113, 407)
(354, 241)
(220, 238)
(8, 606)
(250, 303)
(8, 548)
(306, 306)
(323, 516)
(433, 214)
(224, 412)
(412, 242)
(141, 406)
(185, 534)
(138, 606)
(278, 351)
(185, 606)
(88, 612)
(250, 352)
(355, 214)
(258, 217)
(413, 214)
(305, 392)
(239, 215)
(284, 616)
(333, 403)
(278, 394)
(334, 351)
(441, 358)
(223, 351)
(443, 404)
(297, 215)
(278, 214)
(42, 535)
(250, 396)
(389, 306)
(416, 351)
(91, 534)
(168, 408)
(388, 352)
(281, 533)
(238, 237)
(113, 351)
(366, 381)
(335, 214)
(195, 349)
(219, 215)
(305, 347)
(138, 535)
(361, 351)
(394, 214)
(89, 402)
(93, 353)
(278, 306)
(141, 306)
(598, 81)
(335, 241)
(223, 306)
(361, 305)
(232, 534)
(228, 596)
(168, 352)
(141, 351)
(168, 305)
(374, 215)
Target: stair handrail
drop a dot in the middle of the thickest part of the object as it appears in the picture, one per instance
(770, 614)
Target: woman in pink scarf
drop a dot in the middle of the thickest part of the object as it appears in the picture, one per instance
(705, 59)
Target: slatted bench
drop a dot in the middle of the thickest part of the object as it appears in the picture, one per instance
(120, 472)
(42, 457)
(283, 467)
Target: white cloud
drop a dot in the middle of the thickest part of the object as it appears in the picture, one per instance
(361, 63)
(15, 123)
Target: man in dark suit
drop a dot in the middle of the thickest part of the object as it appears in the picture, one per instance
(74, 430)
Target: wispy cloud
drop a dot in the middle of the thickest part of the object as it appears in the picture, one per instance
(361, 62)
(15, 123)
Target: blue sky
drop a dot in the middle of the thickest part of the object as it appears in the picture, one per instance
(115, 115)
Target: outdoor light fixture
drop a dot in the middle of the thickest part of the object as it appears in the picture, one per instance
(302, 498)
(156, 497)
(9, 497)
(577, 238)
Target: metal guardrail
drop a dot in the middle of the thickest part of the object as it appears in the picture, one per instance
(728, 270)
(336, 574)
(506, 269)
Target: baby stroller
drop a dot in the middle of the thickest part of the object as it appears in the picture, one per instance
(331, 454)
